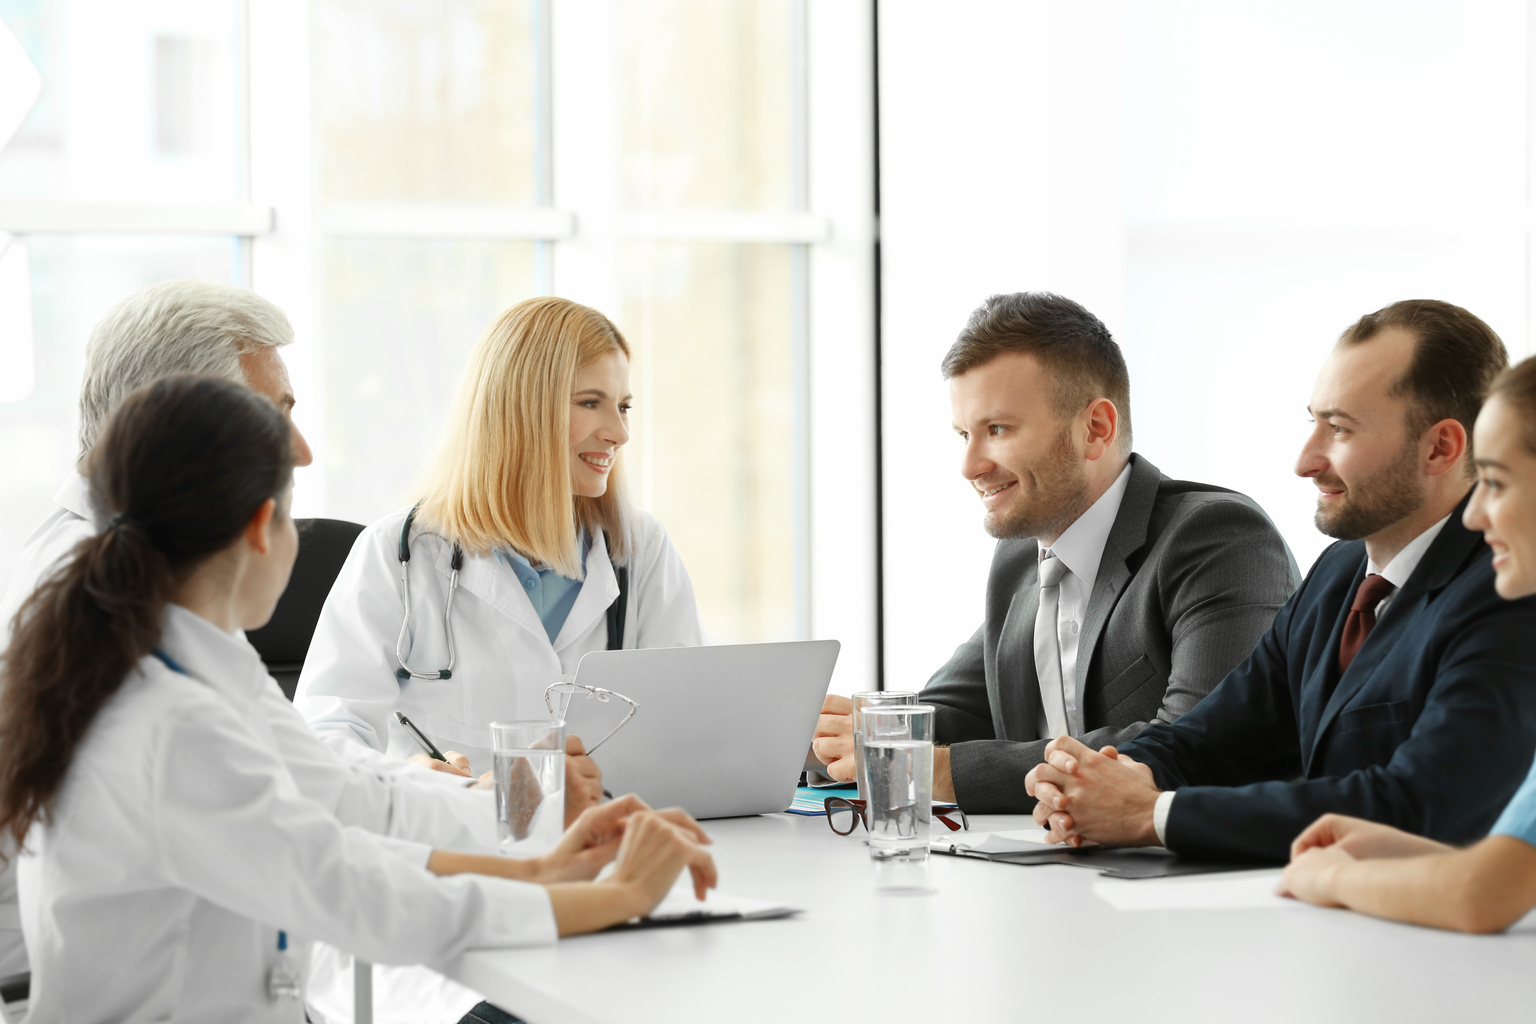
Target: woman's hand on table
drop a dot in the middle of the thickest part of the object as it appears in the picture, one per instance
(657, 846)
(1310, 877)
(1363, 840)
(597, 835)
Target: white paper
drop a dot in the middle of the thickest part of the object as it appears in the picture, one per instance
(1011, 841)
(1247, 890)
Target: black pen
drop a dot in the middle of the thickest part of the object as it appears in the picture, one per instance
(421, 736)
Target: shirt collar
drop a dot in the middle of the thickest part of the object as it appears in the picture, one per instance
(514, 558)
(1081, 545)
(74, 497)
(225, 661)
(1397, 571)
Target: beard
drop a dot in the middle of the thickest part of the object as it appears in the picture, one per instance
(1057, 494)
(1390, 495)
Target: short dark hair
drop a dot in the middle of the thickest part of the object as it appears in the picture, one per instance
(1071, 343)
(1454, 363)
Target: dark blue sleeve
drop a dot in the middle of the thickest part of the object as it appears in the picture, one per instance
(1244, 731)
(1463, 759)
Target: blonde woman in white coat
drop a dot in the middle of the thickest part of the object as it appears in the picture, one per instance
(527, 486)
(171, 869)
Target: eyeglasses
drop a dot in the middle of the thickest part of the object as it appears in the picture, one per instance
(843, 814)
(567, 689)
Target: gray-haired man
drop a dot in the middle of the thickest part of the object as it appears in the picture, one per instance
(220, 331)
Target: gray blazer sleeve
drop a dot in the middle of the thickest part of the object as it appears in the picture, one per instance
(958, 691)
(1221, 574)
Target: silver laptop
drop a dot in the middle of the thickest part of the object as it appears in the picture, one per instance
(719, 731)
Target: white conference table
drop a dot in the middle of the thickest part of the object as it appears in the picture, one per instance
(996, 942)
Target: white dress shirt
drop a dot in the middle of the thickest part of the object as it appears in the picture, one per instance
(180, 846)
(1395, 572)
(1080, 548)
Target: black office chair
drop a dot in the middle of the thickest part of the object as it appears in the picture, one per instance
(283, 643)
(15, 990)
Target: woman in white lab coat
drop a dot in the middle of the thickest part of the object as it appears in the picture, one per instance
(170, 865)
(526, 485)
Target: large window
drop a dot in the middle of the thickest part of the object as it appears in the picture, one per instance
(125, 170)
(1227, 185)
(395, 174)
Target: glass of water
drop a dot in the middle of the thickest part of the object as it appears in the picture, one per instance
(898, 757)
(528, 759)
(871, 698)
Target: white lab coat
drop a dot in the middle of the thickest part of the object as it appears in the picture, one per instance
(180, 845)
(348, 690)
(69, 523)
(361, 787)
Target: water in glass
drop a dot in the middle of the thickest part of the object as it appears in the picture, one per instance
(867, 699)
(530, 800)
(900, 797)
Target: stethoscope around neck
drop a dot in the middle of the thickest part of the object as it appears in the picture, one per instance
(455, 564)
(615, 615)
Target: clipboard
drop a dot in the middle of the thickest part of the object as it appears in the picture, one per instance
(681, 910)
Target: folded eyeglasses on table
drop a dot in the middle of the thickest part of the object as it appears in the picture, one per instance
(844, 813)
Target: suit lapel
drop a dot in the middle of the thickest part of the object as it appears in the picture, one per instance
(1439, 566)
(1018, 696)
(1127, 535)
(1321, 687)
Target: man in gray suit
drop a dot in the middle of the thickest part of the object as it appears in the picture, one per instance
(1117, 597)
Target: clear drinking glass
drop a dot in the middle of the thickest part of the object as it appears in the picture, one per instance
(528, 758)
(871, 698)
(898, 757)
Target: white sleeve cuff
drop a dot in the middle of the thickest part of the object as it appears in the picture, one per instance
(517, 913)
(1160, 815)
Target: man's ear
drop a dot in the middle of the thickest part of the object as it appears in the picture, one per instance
(1102, 425)
(258, 532)
(1448, 446)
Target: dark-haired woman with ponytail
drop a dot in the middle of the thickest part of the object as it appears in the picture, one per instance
(169, 865)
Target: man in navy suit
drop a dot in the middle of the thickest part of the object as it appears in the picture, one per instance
(1395, 684)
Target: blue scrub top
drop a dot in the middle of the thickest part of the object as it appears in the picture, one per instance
(1519, 817)
(551, 594)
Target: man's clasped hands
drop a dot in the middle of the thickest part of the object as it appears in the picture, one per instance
(1093, 796)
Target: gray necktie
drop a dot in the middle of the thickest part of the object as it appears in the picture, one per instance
(1048, 648)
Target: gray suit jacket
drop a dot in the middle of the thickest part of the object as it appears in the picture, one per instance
(1191, 577)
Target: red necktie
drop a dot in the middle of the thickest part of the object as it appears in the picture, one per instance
(1362, 617)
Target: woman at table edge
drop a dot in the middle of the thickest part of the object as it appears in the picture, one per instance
(162, 832)
(527, 482)
(1379, 870)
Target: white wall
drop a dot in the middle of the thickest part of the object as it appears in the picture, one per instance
(1226, 185)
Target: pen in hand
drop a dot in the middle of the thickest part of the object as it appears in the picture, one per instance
(421, 737)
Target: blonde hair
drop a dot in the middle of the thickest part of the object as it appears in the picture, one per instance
(502, 476)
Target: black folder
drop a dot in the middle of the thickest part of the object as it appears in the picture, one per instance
(1109, 861)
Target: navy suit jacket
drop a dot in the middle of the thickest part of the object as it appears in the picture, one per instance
(1431, 730)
